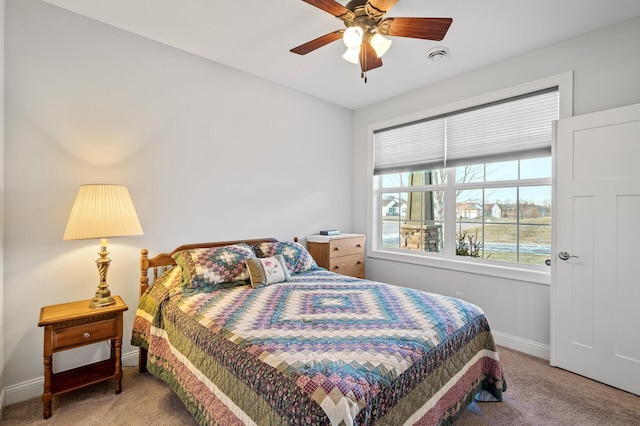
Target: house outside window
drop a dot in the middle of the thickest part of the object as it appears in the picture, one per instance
(473, 185)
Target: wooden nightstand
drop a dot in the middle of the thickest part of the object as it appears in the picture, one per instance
(75, 324)
(342, 253)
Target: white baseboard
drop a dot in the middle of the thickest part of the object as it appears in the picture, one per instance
(3, 397)
(33, 388)
(130, 359)
(523, 345)
(25, 390)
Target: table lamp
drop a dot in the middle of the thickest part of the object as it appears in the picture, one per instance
(102, 211)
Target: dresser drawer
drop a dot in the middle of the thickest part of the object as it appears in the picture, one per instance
(83, 334)
(348, 265)
(346, 247)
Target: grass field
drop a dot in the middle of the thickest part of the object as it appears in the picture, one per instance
(532, 232)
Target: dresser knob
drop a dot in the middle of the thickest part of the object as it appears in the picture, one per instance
(86, 334)
(336, 267)
(337, 249)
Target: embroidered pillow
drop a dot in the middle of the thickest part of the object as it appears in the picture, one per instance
(207, 269)
(295, 255)
(267, 270)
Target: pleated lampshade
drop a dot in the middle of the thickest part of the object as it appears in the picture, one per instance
(102, 211)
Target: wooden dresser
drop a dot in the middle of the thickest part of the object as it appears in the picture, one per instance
(342, 253)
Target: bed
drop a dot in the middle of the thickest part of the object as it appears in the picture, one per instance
(254, 332)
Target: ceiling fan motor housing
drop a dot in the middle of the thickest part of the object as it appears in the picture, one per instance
(364, 18)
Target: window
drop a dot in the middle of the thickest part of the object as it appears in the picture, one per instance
(473, 185)
(501, 212)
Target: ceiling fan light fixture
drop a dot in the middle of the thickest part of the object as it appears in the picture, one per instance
(352, 37)
(352, 55)
(380, 44)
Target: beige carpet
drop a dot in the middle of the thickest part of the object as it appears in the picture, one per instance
(537, 395)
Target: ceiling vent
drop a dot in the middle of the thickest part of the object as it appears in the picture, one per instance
(437, 54)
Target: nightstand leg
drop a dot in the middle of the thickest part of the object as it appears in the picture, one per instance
(46, 396)
(118, 373)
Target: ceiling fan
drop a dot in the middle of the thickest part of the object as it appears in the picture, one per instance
(366, 28)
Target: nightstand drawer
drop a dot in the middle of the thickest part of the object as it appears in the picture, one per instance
(348, 265)
(83, 334)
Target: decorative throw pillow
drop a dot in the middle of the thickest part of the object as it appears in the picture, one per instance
(296, 256)
(267, 270)
(208, 269)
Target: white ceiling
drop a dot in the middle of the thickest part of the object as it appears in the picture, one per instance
(255, 36)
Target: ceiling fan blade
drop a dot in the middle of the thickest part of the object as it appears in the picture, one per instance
(332, 7)
(368, 58)
(423, 28)
(377, 8)
(317, 43)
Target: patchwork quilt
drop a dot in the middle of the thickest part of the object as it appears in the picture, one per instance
(321, 349)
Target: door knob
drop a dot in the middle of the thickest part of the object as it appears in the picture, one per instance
(563, 255)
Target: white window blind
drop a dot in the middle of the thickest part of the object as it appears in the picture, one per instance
(515, 128)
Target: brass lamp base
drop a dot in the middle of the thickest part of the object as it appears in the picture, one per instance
(103, 294)
(102, 300)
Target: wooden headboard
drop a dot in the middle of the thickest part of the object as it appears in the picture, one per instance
(164, 261)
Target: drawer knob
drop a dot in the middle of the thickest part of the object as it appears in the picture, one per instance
(336, 267)
(86, 334)
(337, 249)
(359, 262)
(359, 245)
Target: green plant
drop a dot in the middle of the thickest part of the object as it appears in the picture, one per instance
(474, 246)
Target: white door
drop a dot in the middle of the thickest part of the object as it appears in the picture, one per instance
(595, 294)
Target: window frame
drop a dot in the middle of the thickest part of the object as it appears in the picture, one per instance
(564, 82)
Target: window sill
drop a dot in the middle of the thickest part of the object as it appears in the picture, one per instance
(537, 276)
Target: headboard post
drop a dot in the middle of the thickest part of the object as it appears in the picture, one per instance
(144, 269)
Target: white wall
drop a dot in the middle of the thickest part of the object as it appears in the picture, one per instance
(207, 152)
(606, 67)
(2, 391)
